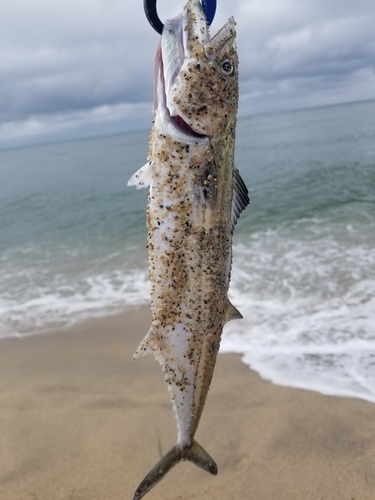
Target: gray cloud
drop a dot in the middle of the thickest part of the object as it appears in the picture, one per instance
(298, 54)
(69, 66)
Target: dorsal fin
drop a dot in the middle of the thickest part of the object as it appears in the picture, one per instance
(240, 197)
(143, 177)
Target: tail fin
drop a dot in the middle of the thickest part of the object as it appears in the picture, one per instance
(194, 453)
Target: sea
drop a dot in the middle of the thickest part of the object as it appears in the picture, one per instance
(73, 243)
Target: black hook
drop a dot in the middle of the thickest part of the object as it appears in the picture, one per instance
(209, 8)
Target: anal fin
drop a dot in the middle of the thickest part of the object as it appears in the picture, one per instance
(147, 345)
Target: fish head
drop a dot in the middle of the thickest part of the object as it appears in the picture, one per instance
(196, 76)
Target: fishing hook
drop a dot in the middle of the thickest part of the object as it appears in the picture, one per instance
(209, 8)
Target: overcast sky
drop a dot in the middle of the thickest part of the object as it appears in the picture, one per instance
(72, 68)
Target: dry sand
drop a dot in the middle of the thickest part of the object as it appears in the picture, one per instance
(79, 420)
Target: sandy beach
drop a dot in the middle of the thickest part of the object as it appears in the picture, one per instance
(80, 420)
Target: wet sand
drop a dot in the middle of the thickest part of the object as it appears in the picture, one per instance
(79, 420)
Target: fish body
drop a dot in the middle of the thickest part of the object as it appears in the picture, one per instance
(196, 195)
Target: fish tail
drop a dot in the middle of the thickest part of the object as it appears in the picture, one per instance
(194, 453)
(201, 458)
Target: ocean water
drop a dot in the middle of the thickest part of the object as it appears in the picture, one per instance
(73, 243)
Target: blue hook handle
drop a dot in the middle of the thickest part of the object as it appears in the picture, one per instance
(209, 8)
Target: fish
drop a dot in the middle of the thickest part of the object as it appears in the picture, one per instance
(196, 195)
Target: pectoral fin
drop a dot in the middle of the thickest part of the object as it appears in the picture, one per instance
(143, 177)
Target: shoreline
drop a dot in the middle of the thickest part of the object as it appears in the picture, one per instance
(80, 420)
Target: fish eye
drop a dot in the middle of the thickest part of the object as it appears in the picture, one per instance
(227, 67)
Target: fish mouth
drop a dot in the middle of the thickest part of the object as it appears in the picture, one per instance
(182, 127)
(165, 78)
(170, 57)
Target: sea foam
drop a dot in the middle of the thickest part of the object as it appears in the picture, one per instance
(61, 304)
(309, 307)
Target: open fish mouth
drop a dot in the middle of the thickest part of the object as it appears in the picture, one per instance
(163, 97)
(170, 57)
(181, 126)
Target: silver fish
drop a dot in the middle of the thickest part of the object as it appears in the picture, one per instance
(196, 196)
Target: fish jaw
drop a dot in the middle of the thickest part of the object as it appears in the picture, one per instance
(196, 77)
